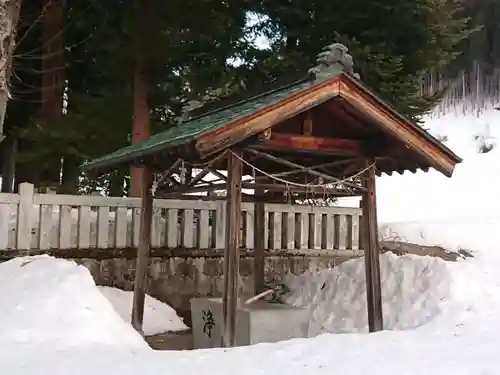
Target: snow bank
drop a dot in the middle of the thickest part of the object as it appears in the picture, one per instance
(415, 290)
(53, 302)
(158, 316)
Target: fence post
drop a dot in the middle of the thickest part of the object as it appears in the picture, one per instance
(24, 216)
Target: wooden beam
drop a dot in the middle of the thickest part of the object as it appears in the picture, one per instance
(318, 166)
(259, 242)
(232, 253)
(178, 192)
(142, 264)
(199, 177)
(335, 146)
(371, 247)
(168, 173)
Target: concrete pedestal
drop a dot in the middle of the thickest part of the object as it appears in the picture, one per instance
(258, 322)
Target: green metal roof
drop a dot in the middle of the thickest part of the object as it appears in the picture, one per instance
(196, 127)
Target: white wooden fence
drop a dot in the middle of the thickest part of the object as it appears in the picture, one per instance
(48, 221)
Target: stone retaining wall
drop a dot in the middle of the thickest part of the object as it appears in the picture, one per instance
(176, 280)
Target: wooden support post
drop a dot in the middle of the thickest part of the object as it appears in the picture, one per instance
(142, 263)
(232, 252)
(371, 249)
(259, 238)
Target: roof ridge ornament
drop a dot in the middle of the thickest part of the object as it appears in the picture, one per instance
(187, 109)
(333, 58)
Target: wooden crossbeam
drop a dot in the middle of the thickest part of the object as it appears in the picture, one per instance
(335, 146)
(318, 166)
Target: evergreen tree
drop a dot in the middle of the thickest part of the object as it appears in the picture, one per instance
(393, 42)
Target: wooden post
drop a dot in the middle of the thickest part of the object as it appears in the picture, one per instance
(371, 249)
(232, 252)
(259, 239)
(142, 264)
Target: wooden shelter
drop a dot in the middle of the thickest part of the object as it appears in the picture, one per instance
(325, 134)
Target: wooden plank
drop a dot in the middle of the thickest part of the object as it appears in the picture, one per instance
(232, 253)
(103, 228)
(355, 232)
(204, 229)
(343, 232)
(121, 227)
(220, 225)
(260, 230)
(24, 216)
(267, 232)
(305, 208)
(113, 202)
(277, 233)
(136, 225)
(304, 230)
(45, 227)
(143, 251)
(318, 230)
(249, 229)
(8, 198)
(173, 228)
(189, 232)
(83, 233)
(85, 200)
(372, 252)
(290, 230)
(183, 204)
(65, 227)
(258, 121)
(4, 226)
(334, 146)
(156, 228)
(330, 231)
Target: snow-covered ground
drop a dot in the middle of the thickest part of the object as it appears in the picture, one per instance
(158, 316)
(442, 317)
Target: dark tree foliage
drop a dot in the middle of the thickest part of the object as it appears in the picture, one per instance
(205, 49)
(394, 42)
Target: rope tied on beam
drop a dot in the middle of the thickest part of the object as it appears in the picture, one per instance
(309, 185)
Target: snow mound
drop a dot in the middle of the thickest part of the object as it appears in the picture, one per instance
(415, 290)
(158, 316)
(55, 303)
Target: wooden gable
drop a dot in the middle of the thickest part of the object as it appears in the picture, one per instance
(341, 117)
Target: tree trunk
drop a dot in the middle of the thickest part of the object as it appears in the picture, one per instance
(52, 67)
(140, 122)
(70, 175)
(141, 116)
(9, 18)
(116, 184)
(8, 151)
